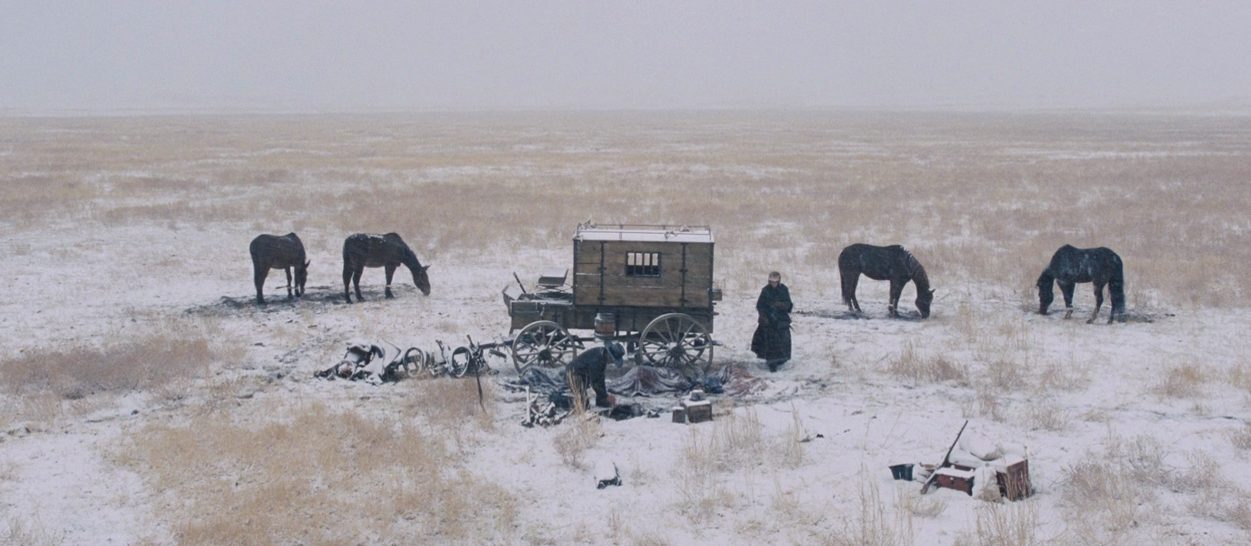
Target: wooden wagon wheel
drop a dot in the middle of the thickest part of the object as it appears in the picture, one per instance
(676, 340)
(543, 343)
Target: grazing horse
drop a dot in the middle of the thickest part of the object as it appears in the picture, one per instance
(1071, 265)
(366, 250)
(883, 263)
(278, 252)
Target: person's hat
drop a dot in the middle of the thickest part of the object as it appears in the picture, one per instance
(617, 352)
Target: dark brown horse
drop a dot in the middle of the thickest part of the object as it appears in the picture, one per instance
(884, 263)
(278, 252)
(389, 251)
(1071, 265)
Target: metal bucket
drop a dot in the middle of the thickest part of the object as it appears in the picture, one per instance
(901, 472)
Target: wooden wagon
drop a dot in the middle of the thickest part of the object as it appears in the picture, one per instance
(649, 286)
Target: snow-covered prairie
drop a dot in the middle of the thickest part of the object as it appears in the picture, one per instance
(146, 399)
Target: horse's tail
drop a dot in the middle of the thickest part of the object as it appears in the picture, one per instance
(257, 249)
(1116, 285)
(348, 248)
(847, 274)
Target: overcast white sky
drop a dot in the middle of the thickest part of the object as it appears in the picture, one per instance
(289, 55)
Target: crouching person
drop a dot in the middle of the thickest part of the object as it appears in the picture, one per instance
(587, 370)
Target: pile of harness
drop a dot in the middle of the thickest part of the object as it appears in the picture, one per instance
(375, 363)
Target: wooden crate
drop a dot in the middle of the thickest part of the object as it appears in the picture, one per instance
(1014, 482)
(697, 412)
(955, 477)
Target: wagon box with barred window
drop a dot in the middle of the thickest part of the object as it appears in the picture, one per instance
(650, 286)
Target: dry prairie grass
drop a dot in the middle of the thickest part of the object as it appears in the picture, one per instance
(43, 385)
(571, 443)
(1213, 496)
(18, 531)
(1047, 414)
(874, 523)
(735, 443)
(1109, 493)
(316, 477)
(1013, 524)
(449, 403)
(985, 402)
(920, 506)
(1182, 380)
(1241, 438)
(979, 198)
(915, 368)
(145, 364)
(1240, 376)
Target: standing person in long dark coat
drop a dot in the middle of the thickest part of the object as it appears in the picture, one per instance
(772, 340)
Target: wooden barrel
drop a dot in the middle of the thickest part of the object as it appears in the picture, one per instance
(605, 325)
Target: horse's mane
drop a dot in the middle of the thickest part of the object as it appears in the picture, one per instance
(915, 269)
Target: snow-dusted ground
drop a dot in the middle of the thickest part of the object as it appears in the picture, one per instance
(1068, 391)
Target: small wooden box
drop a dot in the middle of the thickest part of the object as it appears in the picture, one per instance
(955, 477)
(698, 412)
(679, 415)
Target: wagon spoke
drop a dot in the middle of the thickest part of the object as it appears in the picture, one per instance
(669, 327)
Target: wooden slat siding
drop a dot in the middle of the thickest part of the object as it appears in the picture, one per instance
(630, 320)
(620, 289)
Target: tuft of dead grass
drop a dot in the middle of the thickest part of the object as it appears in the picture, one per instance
(874, 523)
(27, 533)
(144, 364)
(1047, 414)
(928, 507)
(911, 366)
(1240, 376)
(315, 476)
(1241, 438)
(449, 403)
(572, 442)
(984, 402)
(1013, 524)
(1109, 493)
(1183, 380)
(735, 443)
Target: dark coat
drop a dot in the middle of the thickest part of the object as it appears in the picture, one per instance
(587, 370)
(772, 340)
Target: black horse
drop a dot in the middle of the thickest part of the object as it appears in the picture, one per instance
(278, 252)
(366, 250)
(1071, 265)
(883, 263)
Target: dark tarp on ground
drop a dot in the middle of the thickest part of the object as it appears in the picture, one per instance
(635, 381)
